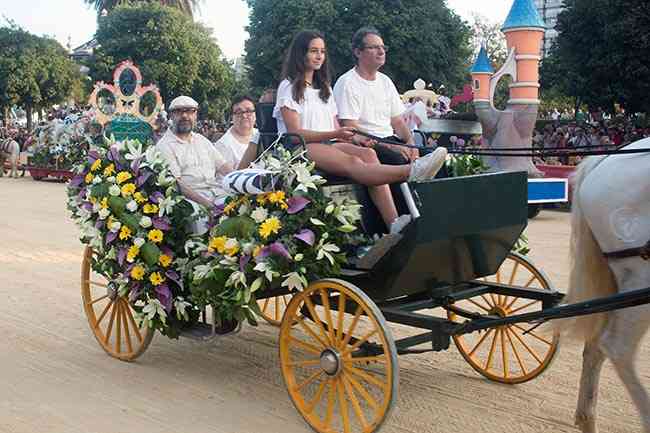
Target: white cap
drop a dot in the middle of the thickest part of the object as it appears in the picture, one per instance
(183, 102)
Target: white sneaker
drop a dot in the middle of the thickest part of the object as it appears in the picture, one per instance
(399, 223)
(426, 168)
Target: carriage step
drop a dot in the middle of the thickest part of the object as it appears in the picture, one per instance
(205, 332)
(378, 250)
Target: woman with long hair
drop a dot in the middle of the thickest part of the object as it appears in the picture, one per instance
(305, 106)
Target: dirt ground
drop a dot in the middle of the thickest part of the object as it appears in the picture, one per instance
(56, 378)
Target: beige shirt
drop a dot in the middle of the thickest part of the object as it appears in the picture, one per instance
(195, 162)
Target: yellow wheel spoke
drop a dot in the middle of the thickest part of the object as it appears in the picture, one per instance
(101, 316)
(319, 394)
(487, 310)
(352, 360)
(487, 301)
(494, 301)
(133, 324)
(118, 332)
(514, 273)
(339, 325)
(309, 380)
(488, 363)
(95, 283)
(328, 316)
(94, 301)
(355, 404)
(353, 326)
(528, 348)
(530, 281)
(343, 404)
(266, 305)
(304, 363)
(356, 345)
(311, 332)
(316, 319)
(532, 334)
(303, 344)
(331, 401)
(361, 390)
(523, 307)
(480, 341)
(366, 376)
(504, 354)
(127, 334)
(277, 309)
(516, 352)
(109, 329)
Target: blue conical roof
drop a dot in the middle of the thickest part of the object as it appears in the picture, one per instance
(482, 64)
(523, 14)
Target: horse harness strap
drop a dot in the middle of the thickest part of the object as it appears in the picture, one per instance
(643, 252)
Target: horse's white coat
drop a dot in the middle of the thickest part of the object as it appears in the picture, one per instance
(9, 149)
(611, 213)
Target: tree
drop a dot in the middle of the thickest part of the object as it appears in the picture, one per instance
(186, 6)
(172, 51)
(489, 34)
(600, 55)
(426, 39)
(35, 72)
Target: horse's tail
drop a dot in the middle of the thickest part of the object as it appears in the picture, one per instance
(591, 276)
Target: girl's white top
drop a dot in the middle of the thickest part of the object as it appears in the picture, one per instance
(315, 114)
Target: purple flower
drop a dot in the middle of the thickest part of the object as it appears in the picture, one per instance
(167, 251)
(161, 223)
(157, 197)
(82, 194)
(135, 166)
(173, 275)
(77, 180)
(164, 295)
(243, 261)
(135, 292)
(87, 206)
(296, 204)
(110, 237)
(113, 154)
(307, 236)
(121, 255)
(99, 224)
(143, 178)
(93, 156)
(275, 249)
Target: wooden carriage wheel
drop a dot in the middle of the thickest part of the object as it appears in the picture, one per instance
(111, 317)
(340, 368)
(273, 308)
(508, 354)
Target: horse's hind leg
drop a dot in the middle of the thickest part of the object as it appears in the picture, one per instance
(592, 363)
(620, 341)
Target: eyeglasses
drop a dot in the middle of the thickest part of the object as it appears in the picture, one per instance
(243, 112)
(182, 111)
(384, 48)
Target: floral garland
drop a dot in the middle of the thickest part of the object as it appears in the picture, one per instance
(283, 238)
(132, 214)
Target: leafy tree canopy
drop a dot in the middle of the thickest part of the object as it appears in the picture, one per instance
(426, 39)
(172, 51)
(601, 54)
(186, 6)
(35, 72)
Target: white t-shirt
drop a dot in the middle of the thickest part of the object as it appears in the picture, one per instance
(315, 114)
(372, 103)
(232, 149)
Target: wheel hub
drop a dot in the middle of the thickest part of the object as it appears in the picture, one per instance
(499, 311)
(330, 362)
(111, 292)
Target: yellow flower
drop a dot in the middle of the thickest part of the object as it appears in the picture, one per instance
(218, 244)
(257, 250)
(123, 176)
(137, 273)
(284, 205)
(276, 197)
(104, 203)
(128, 189)
(155, 235)
(262, 198)
(125, 233)
(89, 178)
(156, 279)
(150, 208)
(271, 225)
(93, 200)
(109, 170)
(232, 247)
(164, 260)
(109, 221)
(139, 197)
(132, 253)
(96, 165)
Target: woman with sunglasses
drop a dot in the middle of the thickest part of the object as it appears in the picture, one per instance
(305, 106)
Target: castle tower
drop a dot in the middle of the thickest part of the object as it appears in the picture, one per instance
(524, 31)
(481, 73)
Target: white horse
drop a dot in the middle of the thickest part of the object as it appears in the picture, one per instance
(9, 149)
(611, 213)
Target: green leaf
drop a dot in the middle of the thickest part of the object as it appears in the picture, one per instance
(150, 253)
(117, 205)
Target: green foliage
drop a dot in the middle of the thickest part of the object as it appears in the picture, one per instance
(490, 34)
(35, 72)
(426, 39)
(186, 6)
(466, 165)
(600, 55)
(172, 51)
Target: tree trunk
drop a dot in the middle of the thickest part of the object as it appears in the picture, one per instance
(29, 111)
(5, 118)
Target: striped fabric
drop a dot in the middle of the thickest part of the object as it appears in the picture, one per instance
(250, 181)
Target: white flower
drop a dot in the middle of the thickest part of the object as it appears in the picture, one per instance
(104, 213)
(138, 242)
(201, 272)
(237, 279)
(265, 267)
(132, 206)
(181, 305)
(115, 226)
(298, 257)
(164, 180)
(153, 156)
(325, 250)
(152, 308)
(243, 209)
(96, 180)
(294, 281)
(166, 206)
(110, 179)
(114, 190)
(231, 243)
(145, 222)
(259, 214)
(96, 207)
(135, 150)
(316, 222)
(247, 247)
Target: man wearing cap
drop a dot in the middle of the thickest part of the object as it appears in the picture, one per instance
(192, 159)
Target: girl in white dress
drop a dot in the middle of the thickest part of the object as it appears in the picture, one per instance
(305, 106)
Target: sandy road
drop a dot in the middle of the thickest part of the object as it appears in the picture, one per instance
(55, 378)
